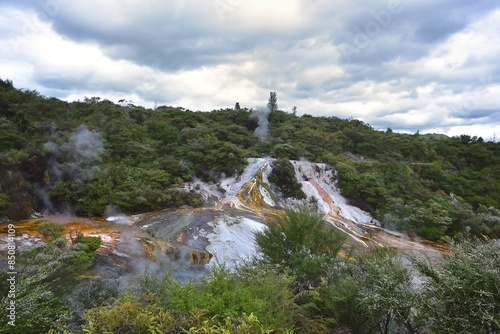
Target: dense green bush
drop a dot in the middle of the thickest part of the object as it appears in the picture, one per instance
(129, 317)
(255, 298)
(300, 241)
(50, 229)
(44, 283)
(387, 296)
(252, 289)
(462, 294)
(283, 176)
(91, 243)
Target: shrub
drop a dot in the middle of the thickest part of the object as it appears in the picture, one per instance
(369, 292)
(50, 229)
(252, 289)
(92, 243)
(301, 242)
(462, 294)
(283, 176)
(126, 316)
(386, 294)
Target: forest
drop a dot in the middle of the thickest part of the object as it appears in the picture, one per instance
(80, 157)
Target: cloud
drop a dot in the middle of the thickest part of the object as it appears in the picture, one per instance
(390, 63)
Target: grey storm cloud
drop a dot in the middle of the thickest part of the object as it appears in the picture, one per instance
(153, 35)
(376, 60)
(464, 112)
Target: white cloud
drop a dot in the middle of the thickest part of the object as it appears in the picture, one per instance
(417, 73)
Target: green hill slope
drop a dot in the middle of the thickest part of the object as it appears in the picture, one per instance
(84, 155)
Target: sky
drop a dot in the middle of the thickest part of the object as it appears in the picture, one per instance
(431, 66)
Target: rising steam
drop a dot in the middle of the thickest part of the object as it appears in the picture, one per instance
(113, 214)
(261, 115)
(74, 159)
(85, 147)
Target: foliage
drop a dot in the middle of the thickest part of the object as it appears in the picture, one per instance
(126, 316)
(50, 229)
(252, 289)
(44, 282)
(283, 176)
(273, 102)
(254, 299)
(91, 243)
(386, 295)
(301, 242)
(366, 292)
(489, 220)
(336, 298)
(145, 154)
(375, 292)
(402, 200)
(462, 295)
(90, 294)
(38, 309)
(427, 185)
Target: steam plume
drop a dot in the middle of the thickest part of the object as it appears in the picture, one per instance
(112, 213)
(74, 158)
(86, 145)
(54, 152)
(261, 115)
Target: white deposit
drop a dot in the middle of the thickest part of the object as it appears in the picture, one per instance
(233, 185)
(317, 181)
(233, 240)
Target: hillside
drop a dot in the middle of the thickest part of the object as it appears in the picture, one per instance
(83, 156)
(243, 221)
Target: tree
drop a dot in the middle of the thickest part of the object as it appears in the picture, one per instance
(370, 291)
(283, 175)
(462, 293)
(300, 241)
(273, 102)
(386, 293)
